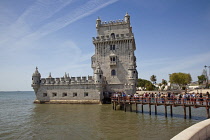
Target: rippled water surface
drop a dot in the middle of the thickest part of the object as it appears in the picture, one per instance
(21, 119)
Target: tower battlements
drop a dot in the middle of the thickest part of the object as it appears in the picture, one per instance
(67, 80)
(117, 37)
(115, 27)
(113, 22)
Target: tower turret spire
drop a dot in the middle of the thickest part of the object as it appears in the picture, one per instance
(127, 18)
(98, 22)
(50, 75)
(36, 80)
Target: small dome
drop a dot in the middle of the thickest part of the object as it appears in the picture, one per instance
(127, 15)
(98, 18)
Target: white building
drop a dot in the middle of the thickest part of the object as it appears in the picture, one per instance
(113, 64)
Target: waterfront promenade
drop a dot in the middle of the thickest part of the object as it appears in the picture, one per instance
(128, 102)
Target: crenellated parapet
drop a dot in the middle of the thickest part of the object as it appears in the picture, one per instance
(113, 22)
(67, 80)
(118, 22)
(117, 37)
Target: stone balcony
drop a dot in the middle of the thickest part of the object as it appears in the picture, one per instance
(113, 63)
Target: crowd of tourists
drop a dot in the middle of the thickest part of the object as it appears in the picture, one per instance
(188, 98)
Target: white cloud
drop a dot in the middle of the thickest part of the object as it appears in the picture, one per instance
(21, 45)
(21, 33)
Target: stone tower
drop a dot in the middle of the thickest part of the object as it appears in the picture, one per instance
(114, 52)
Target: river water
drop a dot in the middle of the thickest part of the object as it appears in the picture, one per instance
(21, 119)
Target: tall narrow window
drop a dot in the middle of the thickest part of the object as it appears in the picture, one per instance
(113, 47)
(113, 72)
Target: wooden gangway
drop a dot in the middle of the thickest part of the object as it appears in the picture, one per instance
(164, 101)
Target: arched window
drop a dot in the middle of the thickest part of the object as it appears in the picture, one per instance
(113, 72)
(113, 35)
(113, 47)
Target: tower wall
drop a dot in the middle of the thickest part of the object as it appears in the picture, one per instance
(114, 51)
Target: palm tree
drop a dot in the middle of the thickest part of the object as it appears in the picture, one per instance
(153, 79)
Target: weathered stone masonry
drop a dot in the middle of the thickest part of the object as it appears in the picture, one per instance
(113, 64)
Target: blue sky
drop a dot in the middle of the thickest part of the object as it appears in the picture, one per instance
(56, 35)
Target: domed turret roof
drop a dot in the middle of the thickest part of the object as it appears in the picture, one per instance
(36, 73)
(50, 75)
(98, 18)
(127, 15)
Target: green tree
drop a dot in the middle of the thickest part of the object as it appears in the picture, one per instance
(182, 79)
(145, 84)
(149, 86)
(153, 79)
(164, 82)
(201, 79)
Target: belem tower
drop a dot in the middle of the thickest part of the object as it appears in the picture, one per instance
(113, 64)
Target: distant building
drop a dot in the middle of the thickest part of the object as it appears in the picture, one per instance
(113, 64)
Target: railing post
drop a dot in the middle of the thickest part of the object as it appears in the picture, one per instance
(165, 111)
(130, 106)
(190, 112)
(136, 107)
(118, 99)
(171, 111)
(149, 109)
(112, 103)
(173, 101)
(125, 106)
(184, 112)
(142, 108)
(207, 111)
(155, 105)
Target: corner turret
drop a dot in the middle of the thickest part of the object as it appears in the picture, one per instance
(36, 77)
(127, 18)
(98, 75)
(98, 22)
(36, 80)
